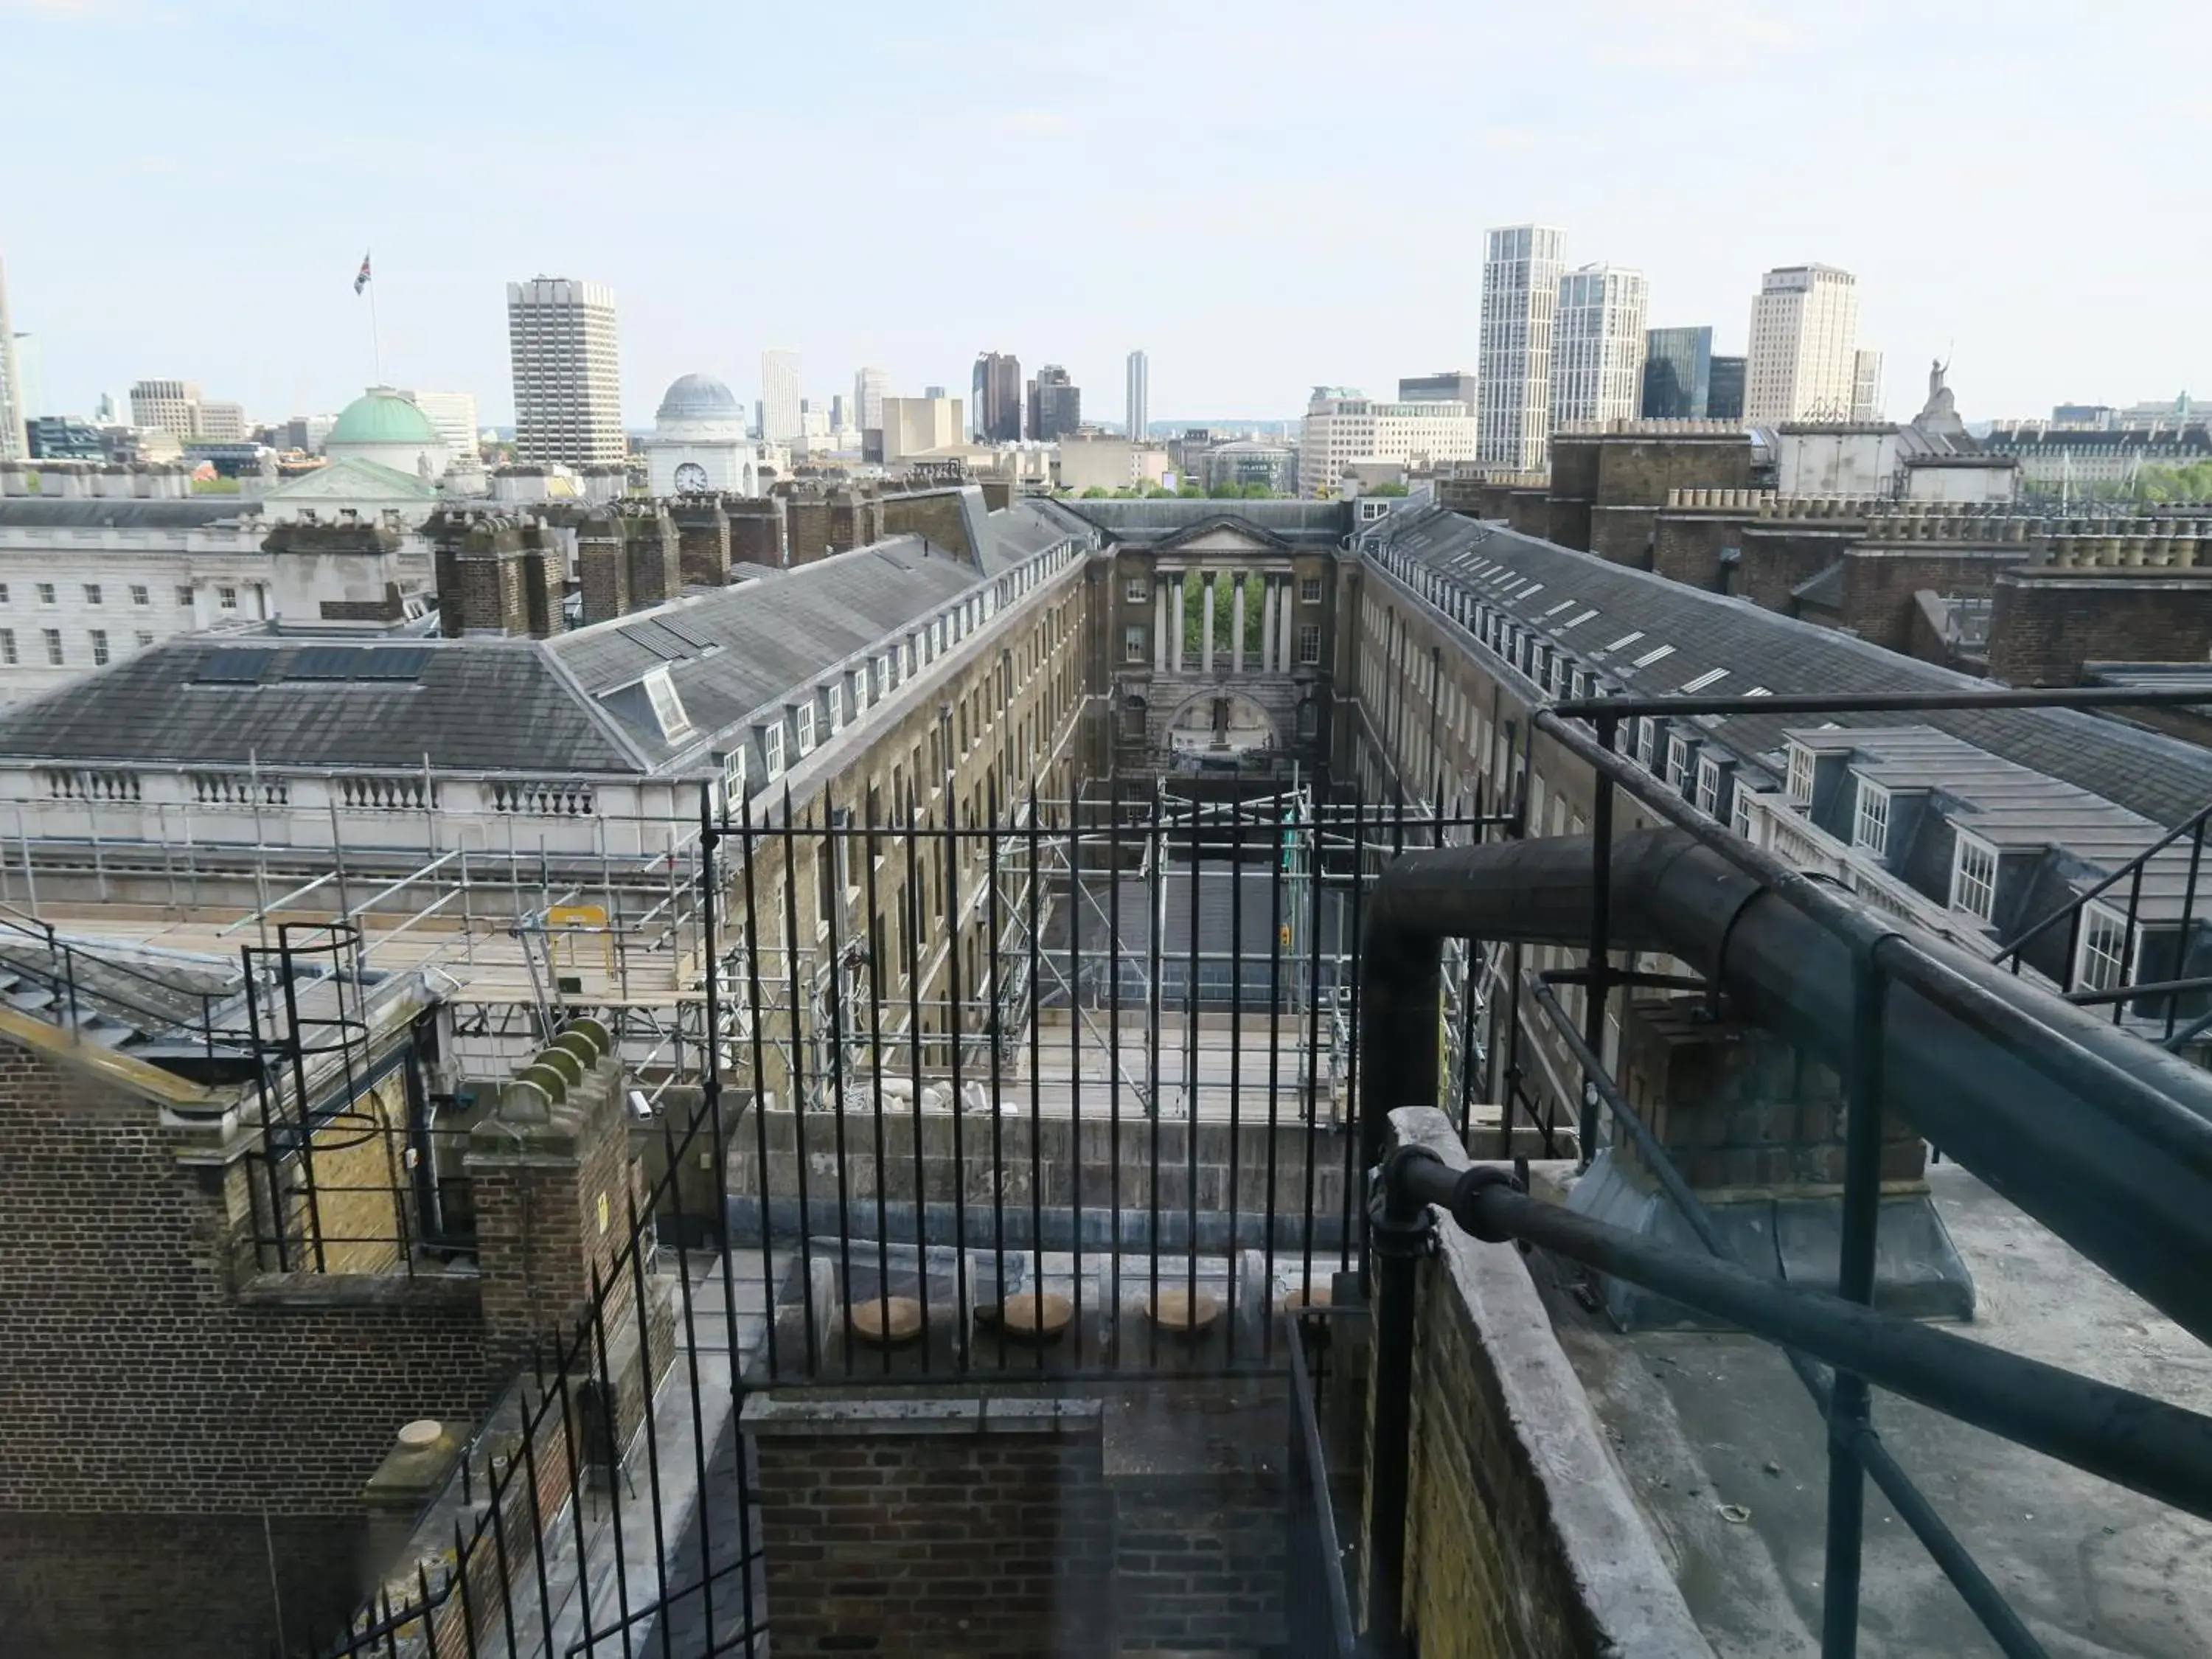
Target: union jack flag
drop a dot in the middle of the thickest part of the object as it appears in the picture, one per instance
(360, 280)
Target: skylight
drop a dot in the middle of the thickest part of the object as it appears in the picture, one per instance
(1711, 676)
(1651, 657)
(1625, 638)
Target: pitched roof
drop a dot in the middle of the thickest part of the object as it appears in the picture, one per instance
(2161, 777)
(483, 703)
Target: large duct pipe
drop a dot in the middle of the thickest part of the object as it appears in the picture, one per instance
(2103, 1138)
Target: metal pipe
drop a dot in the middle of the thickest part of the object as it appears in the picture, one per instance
(2105, 1138)
(2144, 1445)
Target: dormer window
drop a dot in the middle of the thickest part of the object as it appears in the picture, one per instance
(1710, 781)
(1647, 743)
(1870, 824)
(667, 707)
(772, 750)
(733, 780)
(2101, 962)
(1801, 775)
(804, 723)
(833, 698)
(1974, 878)
(1680, 766)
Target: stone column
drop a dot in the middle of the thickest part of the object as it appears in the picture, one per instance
(1236, 622)
(1284, 632)
(1159, 626)
(1175, 636)
(1267, 624)
(1205, 634)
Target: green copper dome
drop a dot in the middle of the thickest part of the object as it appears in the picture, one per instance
(382, 417)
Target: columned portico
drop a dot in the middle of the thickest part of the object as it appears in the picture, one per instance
(1160, 627)
(1283, 630)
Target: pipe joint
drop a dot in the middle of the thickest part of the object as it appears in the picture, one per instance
(1400, 1225)
(1466, 1206)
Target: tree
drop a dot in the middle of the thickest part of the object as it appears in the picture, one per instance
(1226, 492)
(1191, 492)
(1158, 493)
(1389, 489)
(1096, 492)
(1258, 492)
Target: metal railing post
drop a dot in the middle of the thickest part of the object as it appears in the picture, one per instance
(1600, 966)
(1849, 1407)
(1402, 1230)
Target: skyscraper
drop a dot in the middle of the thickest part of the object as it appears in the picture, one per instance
(997, 403)
(1802, 365)
(1520, 295)
(568, 386)
(1724, 397)
(1453, 386)
(780, 411)
(870, 387)
(1137, 405)
(1677, 373)
(15, 436)
(1597, 346)
(1866, 385)
(1056, 405)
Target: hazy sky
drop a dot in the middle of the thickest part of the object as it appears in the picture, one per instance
(1265, 197)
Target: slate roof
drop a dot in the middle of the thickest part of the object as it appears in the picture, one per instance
(481, 703)
(2162, 778)
(730, 651)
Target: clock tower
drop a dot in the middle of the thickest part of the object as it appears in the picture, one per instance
(699, 442)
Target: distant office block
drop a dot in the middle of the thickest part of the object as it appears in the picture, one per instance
(1677, 373)
(567, 387)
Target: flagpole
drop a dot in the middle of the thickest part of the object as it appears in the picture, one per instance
(375, 340)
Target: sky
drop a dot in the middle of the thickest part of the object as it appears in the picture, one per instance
(1265, 198)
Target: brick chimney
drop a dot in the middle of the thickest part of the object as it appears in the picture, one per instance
(703, 535)
(497, 574)
(757, 529)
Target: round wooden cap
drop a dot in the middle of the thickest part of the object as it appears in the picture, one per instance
(1031, 1314)
(1184, 1311)
(1314, 1295)
(423, 1432)
(887, 1319)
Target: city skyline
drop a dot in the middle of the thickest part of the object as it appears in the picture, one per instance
(1230, 324)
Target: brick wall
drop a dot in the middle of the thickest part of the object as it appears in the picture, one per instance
(1773, 561)
(1879, 585)
(936, 516)
(702, 536)
(650, 550)
(1623, 535)
(1739, 1108)
(606, 576)
(1523, 1541)
(757, 532)
(987, 1532)
(1686, 546)
(2046, 623)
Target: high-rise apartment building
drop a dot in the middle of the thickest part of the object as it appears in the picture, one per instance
(454, 414)
(1597, 346)
(1056, 405)
(779, 398)
(997, 403)
(170, 406)
(1520, 296)
(1866, 385)
(1677, 373)
(1137, 401)
(15, 419)
(567, 385)
(1724, 395)
(870, 387)
(1803, 361)
(1342, 425)
(30, 395)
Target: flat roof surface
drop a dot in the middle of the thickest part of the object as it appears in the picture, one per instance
(1706, 1425)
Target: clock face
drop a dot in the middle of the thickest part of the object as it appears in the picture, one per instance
(691, 478)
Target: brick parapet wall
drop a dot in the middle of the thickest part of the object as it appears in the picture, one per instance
(2046, 624)
(141, 1377)
(913, 1528)
(1523, 1540)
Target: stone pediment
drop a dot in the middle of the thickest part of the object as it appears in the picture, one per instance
(350, 480)
(1225, 534)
